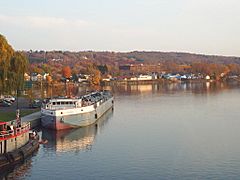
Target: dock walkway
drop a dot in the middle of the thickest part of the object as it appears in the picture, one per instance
(34, 119)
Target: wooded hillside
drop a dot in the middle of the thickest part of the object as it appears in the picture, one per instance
(135, 57)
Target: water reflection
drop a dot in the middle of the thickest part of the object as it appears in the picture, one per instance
(75, 140)
(172, 88)
(131, 89)
(156, 136)
(57, 90)
(18, 171)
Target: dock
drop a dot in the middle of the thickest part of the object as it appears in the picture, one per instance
(34, 119)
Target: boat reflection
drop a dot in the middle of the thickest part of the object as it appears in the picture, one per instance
(19, 171)
(74, 139)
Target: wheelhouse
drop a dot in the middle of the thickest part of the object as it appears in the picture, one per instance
(54, 104)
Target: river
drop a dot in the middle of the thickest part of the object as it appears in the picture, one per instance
(159, 131)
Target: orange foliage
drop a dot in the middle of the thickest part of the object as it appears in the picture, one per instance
(66, 71)
(49, 79)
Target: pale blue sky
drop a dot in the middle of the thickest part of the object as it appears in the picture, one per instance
(198, 26)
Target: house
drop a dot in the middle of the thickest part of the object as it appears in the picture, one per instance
(45, 76)
(39, 77)
(36, 77)
(154, 76)
(107, 78)
(207, 77)
(184, 77)
(124, 68)
(144, 77)
(83, 78)
(27, 77)
(141, 78)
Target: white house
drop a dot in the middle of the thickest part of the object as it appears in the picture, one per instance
(27, 77)
(36, 77)
(141, 78)
(207, 77)
(83, 78)
(45, 76)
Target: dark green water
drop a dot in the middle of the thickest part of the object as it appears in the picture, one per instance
(173, 131)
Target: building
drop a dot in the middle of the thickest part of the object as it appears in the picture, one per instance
(36, 77)
(27, 77)
(142, 78)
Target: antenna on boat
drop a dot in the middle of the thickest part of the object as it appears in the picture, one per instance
(18, 118)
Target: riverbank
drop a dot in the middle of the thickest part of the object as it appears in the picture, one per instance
(11, 115)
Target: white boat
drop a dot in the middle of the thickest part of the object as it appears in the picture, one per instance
(64, 113)
(75, 140)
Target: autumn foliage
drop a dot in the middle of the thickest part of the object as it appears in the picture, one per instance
(97, 64)
(66, 72)
(13, 65)
(95, 75)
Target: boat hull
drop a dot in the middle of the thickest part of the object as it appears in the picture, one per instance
(75, 120)
(12, 158)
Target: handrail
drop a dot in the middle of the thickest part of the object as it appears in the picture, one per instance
(15, 132)
(99, 98)
(84, 104)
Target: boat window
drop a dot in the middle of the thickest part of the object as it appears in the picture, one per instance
(58, 103)
(54, 103)
(63, 103)
(66, 102)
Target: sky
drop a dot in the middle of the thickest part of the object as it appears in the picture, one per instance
(196, 26)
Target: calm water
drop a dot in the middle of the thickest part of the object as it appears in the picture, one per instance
(174, 131)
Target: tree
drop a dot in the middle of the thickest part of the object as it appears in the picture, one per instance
(19, 64)
(95, 74)
(234, 69)
(13, 65)
(49, 79)
(96, 78)
(170, 67)
(6, 53)
(46, 68)
(66, 72)
(103, 69)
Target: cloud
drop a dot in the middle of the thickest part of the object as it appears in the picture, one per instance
(42, 22)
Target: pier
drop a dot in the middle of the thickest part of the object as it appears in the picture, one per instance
(34, 119)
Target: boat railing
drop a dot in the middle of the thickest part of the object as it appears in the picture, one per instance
(61, 108)
(16, 131)
(86, 101)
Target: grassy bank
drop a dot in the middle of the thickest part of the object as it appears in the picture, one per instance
(8, 116)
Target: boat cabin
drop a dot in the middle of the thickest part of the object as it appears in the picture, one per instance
(12, 137)
(69, 103)
(60, 103)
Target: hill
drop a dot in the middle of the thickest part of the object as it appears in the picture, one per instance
(135, 57)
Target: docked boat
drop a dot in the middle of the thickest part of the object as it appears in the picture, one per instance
(65, 113)
(16, 144)
(75, 140)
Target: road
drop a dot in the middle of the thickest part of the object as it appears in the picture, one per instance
(23, 103)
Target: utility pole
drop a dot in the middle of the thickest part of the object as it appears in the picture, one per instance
(18, 118)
